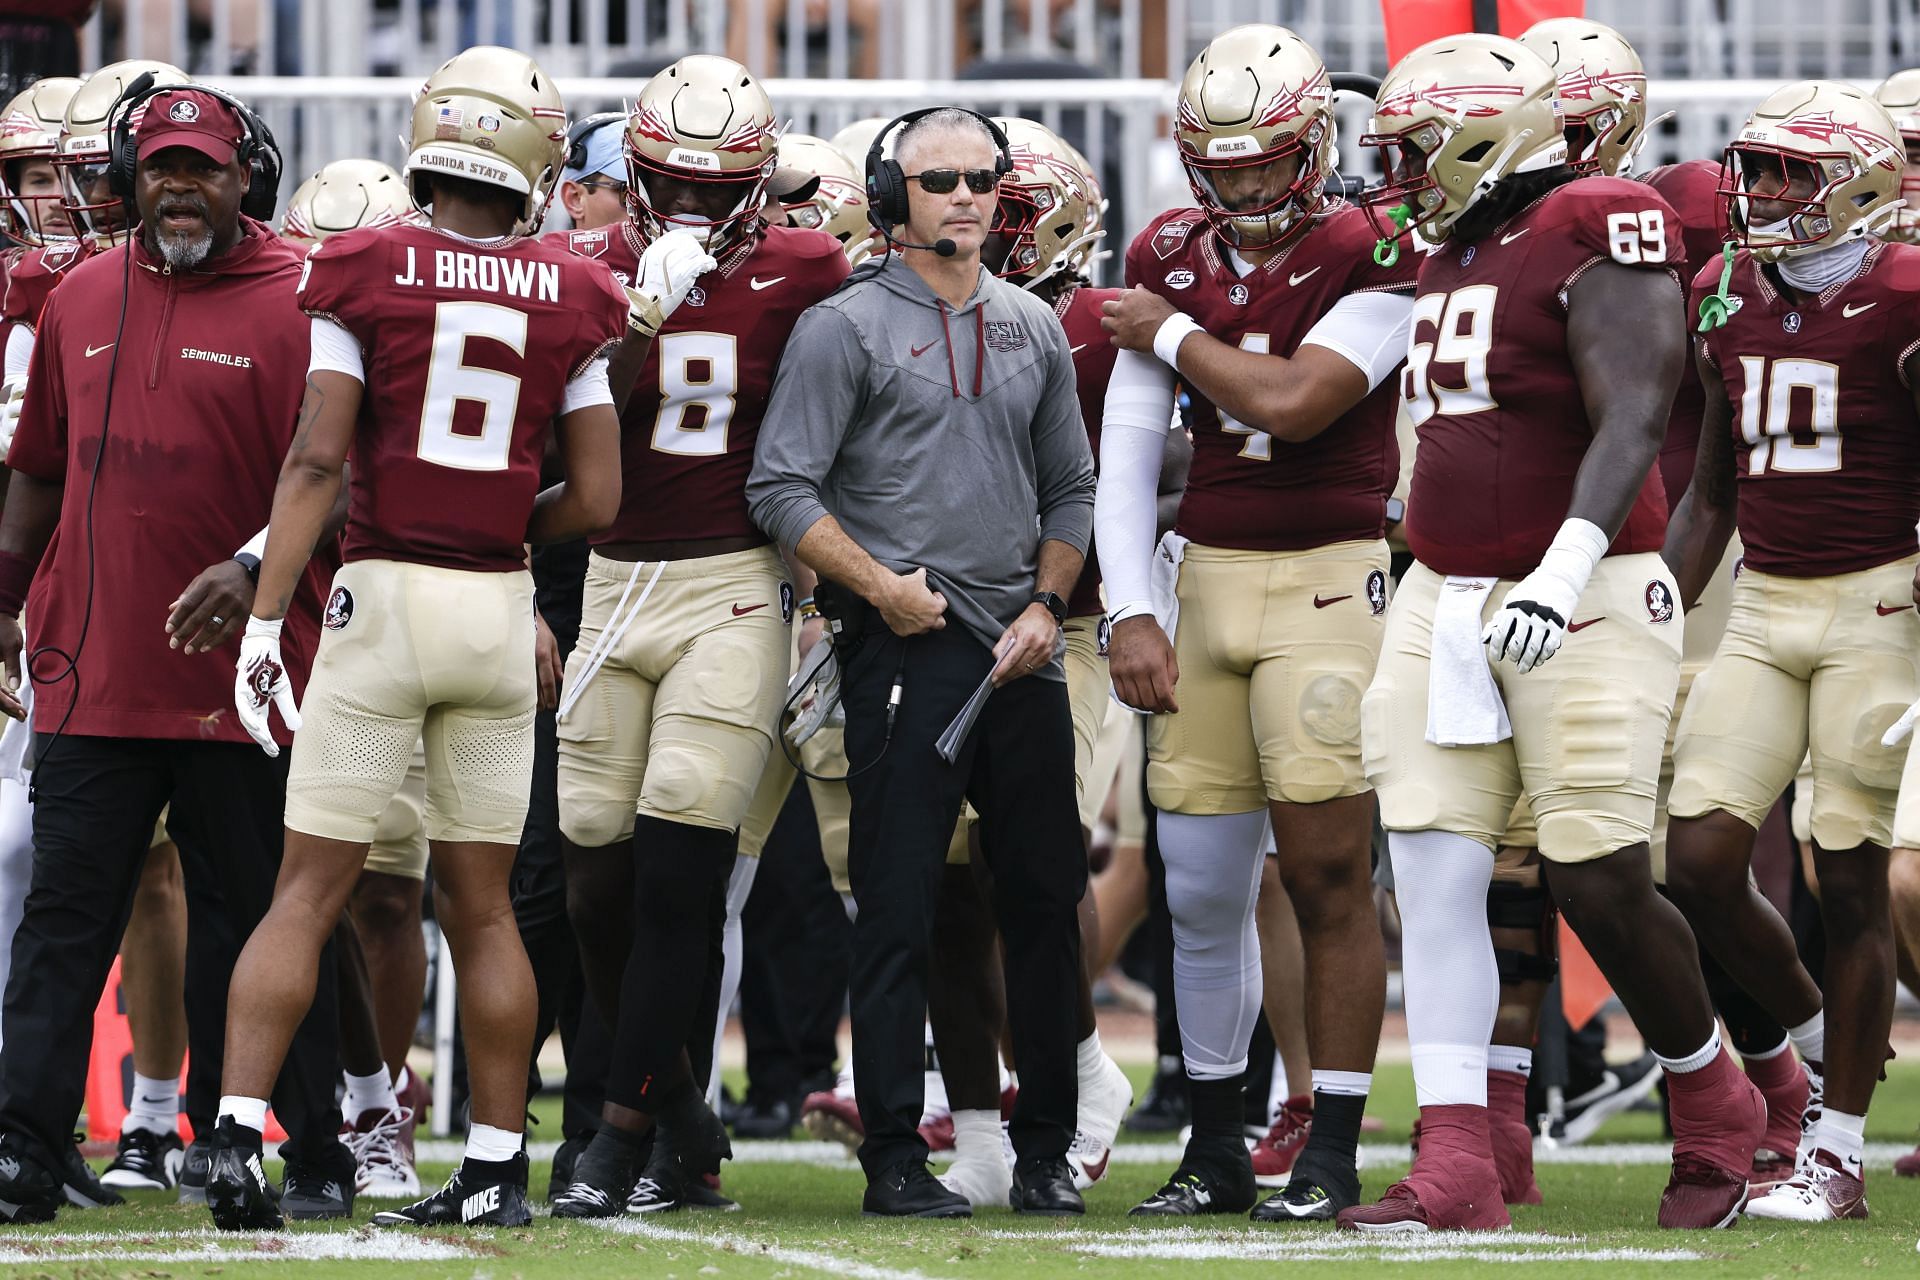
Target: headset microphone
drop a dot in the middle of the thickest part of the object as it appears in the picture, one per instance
(943, 246)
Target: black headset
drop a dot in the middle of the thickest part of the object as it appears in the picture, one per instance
(887, 185)
(580, 130)
(256, 148)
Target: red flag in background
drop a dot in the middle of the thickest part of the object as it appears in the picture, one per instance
(1411, 23)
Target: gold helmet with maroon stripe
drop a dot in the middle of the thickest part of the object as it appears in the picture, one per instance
(838, 205)
(1603, 91)
(30, 130)
(1454, 118)
(1256, 104)
(85, 142)
(856, 140)
(1049, 206)
(1900, 95)
(345, 196)
(489, 115)
(705, 126)
(1844, 148)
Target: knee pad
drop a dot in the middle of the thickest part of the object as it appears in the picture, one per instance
(1517, 899)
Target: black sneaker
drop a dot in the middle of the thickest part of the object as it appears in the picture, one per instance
(1165, 1108)
(237, 1191)
(323, 1189)
(480, 1193)
(564, 1161)
(147, 1161)
(193, 1172)
(689, 1142)
(1205, 1185)
(1303, 1200)
(909, 1190)
(602, 1176)
(705, 1193)
(760, 1118)
(1617, 1089)
(30, 1189)
(80, 1185)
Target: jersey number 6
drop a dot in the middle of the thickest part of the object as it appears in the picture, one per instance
(450, 379)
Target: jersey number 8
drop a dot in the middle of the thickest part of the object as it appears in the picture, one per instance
(699, 374)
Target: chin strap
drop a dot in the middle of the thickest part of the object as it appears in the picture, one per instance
(1715, 308)
(1386, 250)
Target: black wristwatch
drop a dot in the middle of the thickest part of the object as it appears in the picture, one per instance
(1055, 605)
(249, 562)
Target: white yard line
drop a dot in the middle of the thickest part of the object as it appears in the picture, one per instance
(750, 1247)
(217, 1246)
(1198, 1244)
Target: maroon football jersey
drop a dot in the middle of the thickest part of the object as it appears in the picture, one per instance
(1093, 357)
(1826, 439)
(33, 278)
(1248, 490)
(1690, 189)
(468, 347)
(686, 440)
(1490, 385)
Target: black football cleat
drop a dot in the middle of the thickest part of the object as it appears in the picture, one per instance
(1303, 1200)
(80, 1185)
(238, 1194)
(704, 1193)
(30, 1181)
(1204, 1186)
(1045, 1188)
(480, 1193)
(564, 1159)
(321, 1190)
(689, 1142)
(193, 1172)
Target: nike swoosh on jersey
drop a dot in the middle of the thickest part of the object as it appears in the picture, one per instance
(738, 612)
(1582, 626)
(1515, 236)
(757, 284)
(94, 351)
(1318, 603)
(1302, 276)
(1850, 311)
(1074, 351)
(922, 350)
(1883, 610)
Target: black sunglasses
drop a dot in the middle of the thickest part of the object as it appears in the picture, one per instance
(606, 184)
(941, 181)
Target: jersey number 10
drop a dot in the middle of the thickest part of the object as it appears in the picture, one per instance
(1767, 399)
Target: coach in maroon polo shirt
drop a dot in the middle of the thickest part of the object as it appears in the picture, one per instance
(147, 451)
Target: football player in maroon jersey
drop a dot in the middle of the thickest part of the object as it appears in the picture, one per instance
(1268, 303)
(674, 690)
(442, 357)
(1820, 465)
(1535, 518)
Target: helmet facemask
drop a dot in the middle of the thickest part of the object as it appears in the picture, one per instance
(1800, 187)
(729, 207)
(1260, 201)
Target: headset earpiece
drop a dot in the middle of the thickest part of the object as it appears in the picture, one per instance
(580, 130)
(887, 205)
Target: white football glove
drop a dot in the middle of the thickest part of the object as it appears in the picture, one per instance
(667, 271)
(1532, 621)
(13, 396)
(1898, 731)
(260, 680)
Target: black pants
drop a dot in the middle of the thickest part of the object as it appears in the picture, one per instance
(95, 803)
(1017, 768)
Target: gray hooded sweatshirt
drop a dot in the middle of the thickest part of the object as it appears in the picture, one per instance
(942, 439)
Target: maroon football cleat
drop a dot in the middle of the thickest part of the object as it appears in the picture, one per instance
(1454, 1185)
(1784, 1086)
(1273, 1155)
(1718, 1119)
(1512, 1138)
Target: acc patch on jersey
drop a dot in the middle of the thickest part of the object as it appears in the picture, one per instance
(339, 609)
(1179, 279)
(1659, 602)
(1168, 239)
(1377, 592)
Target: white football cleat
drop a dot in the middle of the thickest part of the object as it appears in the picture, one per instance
(1105, 1096)
(1822, 1190)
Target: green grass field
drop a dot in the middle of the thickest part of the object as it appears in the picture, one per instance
(800, 1218)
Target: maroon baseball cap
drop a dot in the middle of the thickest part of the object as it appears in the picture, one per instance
(189, 118)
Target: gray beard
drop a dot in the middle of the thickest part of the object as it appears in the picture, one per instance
(183, 253)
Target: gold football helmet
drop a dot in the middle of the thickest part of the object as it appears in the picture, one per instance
(1603, 91)
(1049, 207)
(1455, 117)
(345, 196)
(1900, 95)
(1256, 98)
(702, 145)
(838, 205)
(1826, 153)
(856, 140)
(489, 115)
(98, 214)
(30, 130)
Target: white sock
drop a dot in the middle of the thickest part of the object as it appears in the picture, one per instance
(491, 1145)
(1810, 1038)
(1451, 981)
(976, 1135)
(249, 1113)
(1698, 1060)
(1509, 1057)
(155, 1106)
(1343, 1084)
(1844, 1135)
(1090, 1058)
(368, 1093)
(1770, 1054)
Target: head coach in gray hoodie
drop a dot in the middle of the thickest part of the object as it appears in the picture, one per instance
(923, 451)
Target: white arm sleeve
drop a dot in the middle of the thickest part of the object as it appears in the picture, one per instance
(335, 350)
(19, 351)
(588, 387)
(1369, 329)
(1133, 437)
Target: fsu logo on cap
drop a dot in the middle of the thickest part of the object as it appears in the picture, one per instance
(184, 112)
(1659, 603)
(339, 609)
(1377, 592)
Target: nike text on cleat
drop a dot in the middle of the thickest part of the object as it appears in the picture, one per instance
(479, 1194)
(238, 1194)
